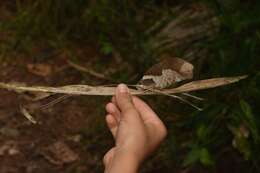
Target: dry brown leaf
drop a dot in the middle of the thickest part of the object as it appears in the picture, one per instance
(10, 148)
(27, 115)
(108, 91)
(8, 131)
(206, 84)
(59, 153)
(42, 70)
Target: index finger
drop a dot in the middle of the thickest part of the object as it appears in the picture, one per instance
(145, 111)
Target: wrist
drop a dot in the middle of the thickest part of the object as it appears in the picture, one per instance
(123, 161)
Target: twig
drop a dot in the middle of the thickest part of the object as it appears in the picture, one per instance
(27, 115)
(89, 71)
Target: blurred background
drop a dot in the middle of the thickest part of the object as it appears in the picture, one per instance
(99, 42)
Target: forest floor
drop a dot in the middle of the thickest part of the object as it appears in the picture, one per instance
(70, 136)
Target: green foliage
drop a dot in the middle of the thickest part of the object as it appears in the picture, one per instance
(245, 128)
(200, 155)
(250, 120)
(235, 51)
(106, 47)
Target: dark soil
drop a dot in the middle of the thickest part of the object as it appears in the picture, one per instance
(77, 122)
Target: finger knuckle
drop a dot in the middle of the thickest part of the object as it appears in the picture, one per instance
(163, 132)
(105, 160)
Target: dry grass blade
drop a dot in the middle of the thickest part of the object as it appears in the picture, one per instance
(206, 84)
(108, 91)
(27, 115)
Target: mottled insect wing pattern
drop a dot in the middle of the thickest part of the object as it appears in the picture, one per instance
(167, 73)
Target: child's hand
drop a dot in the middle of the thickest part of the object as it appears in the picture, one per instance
(137, 131)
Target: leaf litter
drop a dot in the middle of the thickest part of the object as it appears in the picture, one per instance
(59, 153)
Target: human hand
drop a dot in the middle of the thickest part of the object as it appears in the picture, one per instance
(137, 131)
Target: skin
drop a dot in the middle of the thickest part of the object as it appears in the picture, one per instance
(136, 129)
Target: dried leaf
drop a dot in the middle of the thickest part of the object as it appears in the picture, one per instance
(18, 84)
(42, 70)
(10, 148)
(8, 131)
(206, 84)
(27, 115)
(59, 153)
(108, 91)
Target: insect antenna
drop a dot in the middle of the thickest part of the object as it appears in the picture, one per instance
(177, 97)
(53, 102)
(193, 96)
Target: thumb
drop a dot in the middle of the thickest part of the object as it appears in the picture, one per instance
(124, 98)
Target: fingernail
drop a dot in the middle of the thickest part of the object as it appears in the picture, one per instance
(122, 88)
